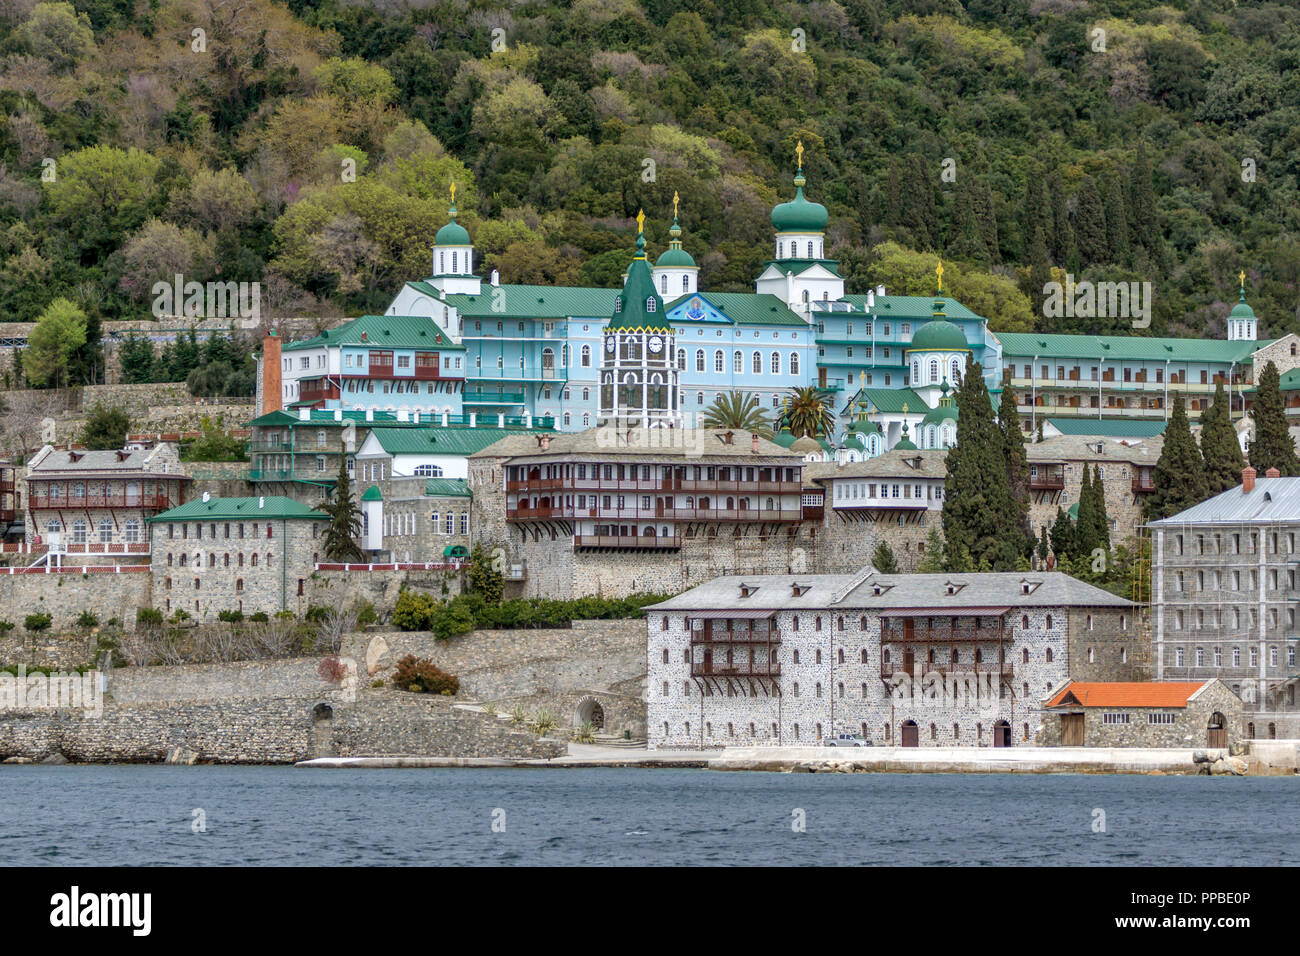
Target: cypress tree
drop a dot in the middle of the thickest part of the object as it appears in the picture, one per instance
(1040, 273)
(1061, 240)
(345, 523)
(1180, 473)
(1219, 446)
(987, 219)
(1085, 530)
(1063, 537)
(1013, 451)
(1044, 548)
(1116, 220)
(1273, 446)
(893, 196)
(883, 560)
(1146, 226)
(1100, 519)
(978, 507)
(966, 243)
(1090, 225)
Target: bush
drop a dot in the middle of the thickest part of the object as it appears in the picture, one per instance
(6, 627)
(366, 614)
(231, 617)
(87, 619)
(179, 616)
(317, 613)
(259, 617)
(421, 675)
(35, 623)
(413, 611)
(148, 615)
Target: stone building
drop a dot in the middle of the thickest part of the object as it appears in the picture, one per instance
(1223, 588)
(1127, 467)
(902, 659)
(11, 511)
(1142, 714)
(896, 497)
(235, 554)
(96, 503)
(417, 520)
(611, 511)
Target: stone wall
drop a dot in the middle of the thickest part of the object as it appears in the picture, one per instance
(559, 669)
(1188, 729)
(380, 588)
(65, 595)
(1108, 645)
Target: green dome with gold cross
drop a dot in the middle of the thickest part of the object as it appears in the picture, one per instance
(799, 215)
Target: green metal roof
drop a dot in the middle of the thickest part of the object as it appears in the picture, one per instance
(1109, 427)
(274, 507)
(1136, 348)
(447, 488)
(382, 331)
(889, 399)
(440, 441)
(639, 305)
(531, 302)
(900, 307)
(455, 551)
(940, 414)
(800, 266)
(939, 335)
(799, 215)
(452, 234)
(744, 308)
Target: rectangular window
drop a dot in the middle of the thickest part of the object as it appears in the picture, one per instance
(1115, 718)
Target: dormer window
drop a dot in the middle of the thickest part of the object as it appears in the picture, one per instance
(1029, 587)
(650, 303)
(799, 590)
(952, 588)
(746, 590)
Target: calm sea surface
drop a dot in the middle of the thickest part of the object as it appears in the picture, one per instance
(145, 815)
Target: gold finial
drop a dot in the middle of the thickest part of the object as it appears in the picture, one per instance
(1242, 277)
(453, 191)
(675, 201)
(798, 153)
(862, 379)
(905, 412)
(938, 270)
(640, 221)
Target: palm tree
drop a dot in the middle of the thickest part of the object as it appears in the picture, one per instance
(807, 412)
(738, 410)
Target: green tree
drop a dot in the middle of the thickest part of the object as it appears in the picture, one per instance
(1085, 529)
(1064, 538)
(345, 518)
(739, 411)
(1100, 519)
(136, 357)
(59, 332)
(1219, 446)
(1179, 476)
(102, 195)
(106, 427)
(933, 562)
(883, 560)
(1090, 225)
(483, 577)
(807, 412)
(1273, 446)
(978, 506)
(1017, 462)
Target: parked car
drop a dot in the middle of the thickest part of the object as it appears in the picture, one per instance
(846, 740)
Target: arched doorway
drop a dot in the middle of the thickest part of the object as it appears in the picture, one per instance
(1002, 734)
(590, 712)
(1216, 734)
(322, 731)
(910, 735)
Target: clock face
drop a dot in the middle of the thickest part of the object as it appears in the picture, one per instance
(656, 343)
(609, 343)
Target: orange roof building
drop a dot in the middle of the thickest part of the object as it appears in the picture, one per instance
(1126, 694)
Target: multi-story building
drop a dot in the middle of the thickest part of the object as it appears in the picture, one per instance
(424, 520)
(909, 659)
(610, 510)
(1223, 591)
(11, 504)
(82, 502)
(235, 554)
(1126, 467)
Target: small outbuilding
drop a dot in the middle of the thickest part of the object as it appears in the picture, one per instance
(1142, 714)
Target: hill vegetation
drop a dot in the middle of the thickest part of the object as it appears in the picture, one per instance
(310, 146)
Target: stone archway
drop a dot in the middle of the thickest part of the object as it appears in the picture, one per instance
(322, 731)
(589, 711)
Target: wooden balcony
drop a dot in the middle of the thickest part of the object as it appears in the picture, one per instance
(628, 542)
(741, 669)
(1143, 485)
(160, 502)
(947, 668)
(942, 635)
(1047, 482)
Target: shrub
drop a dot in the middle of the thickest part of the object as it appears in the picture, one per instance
(179, 616)
(148, 615)
(585, 734)
(35, 623)
(317, 613)
(544, 722)
(259, 617)
(231, 617)
(517, 716)
(377, 683)
(87, 619)
(284, 615)
(413, 611)
(366, 614)
(332, 669)
(419, 674)
(6, 627)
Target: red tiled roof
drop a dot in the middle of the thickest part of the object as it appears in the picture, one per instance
(1133, 694)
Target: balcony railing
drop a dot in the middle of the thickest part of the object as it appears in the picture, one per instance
(160, 502)
(110, 547)
(946, 668)
(743, 636)
(746, 669)
(493, 398)
(1142, 486)
(1046, 482)
(941, 635)
(656, 514)
(631, 542)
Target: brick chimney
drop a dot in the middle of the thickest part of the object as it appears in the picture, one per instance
(271, 388)
(1272, 473)
(753, 445)
(1247, 480)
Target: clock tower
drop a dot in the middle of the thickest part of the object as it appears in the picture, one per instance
(638, 366)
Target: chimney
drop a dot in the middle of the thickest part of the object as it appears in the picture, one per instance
(753, 444)
(207, 496)
(1247, 480)
(880, 290)
(365, 337)
(1272, 473)
(271, 387)
(496, 277)
(370, 414)
(304, 414)
(261, 502)
(546, 442)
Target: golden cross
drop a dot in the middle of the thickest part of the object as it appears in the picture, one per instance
(862, 379)
(1242, 277)
(798, 152)
(938, 270)
(675, 201)
(640, 220)
(905, 412)
(453, 192)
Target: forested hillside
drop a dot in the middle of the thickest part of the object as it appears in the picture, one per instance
(310, 146)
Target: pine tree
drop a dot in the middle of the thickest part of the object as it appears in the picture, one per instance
(883, 560)
(1219, 446)
(345, 518)
(920, 212)
(966, 243)
(1013, 451)
(1180, 473)
(978, 508)
(1044, 548)
(1273, 446)
(1040, 270)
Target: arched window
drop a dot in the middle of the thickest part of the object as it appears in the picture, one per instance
(686, 283)
(79, 531)
(737, 362)
(428, 471)
(810, 249)
(650, 303)
(794, 363)
(663, 283)
(916, 372)
(105, 530)
(1049, 622)
(699, 360)
(956, 373)
(681, 359)
(776, 363)
(756, 363)
(717, 360)
(1049, 655)
(934, 371)
(586, 356)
